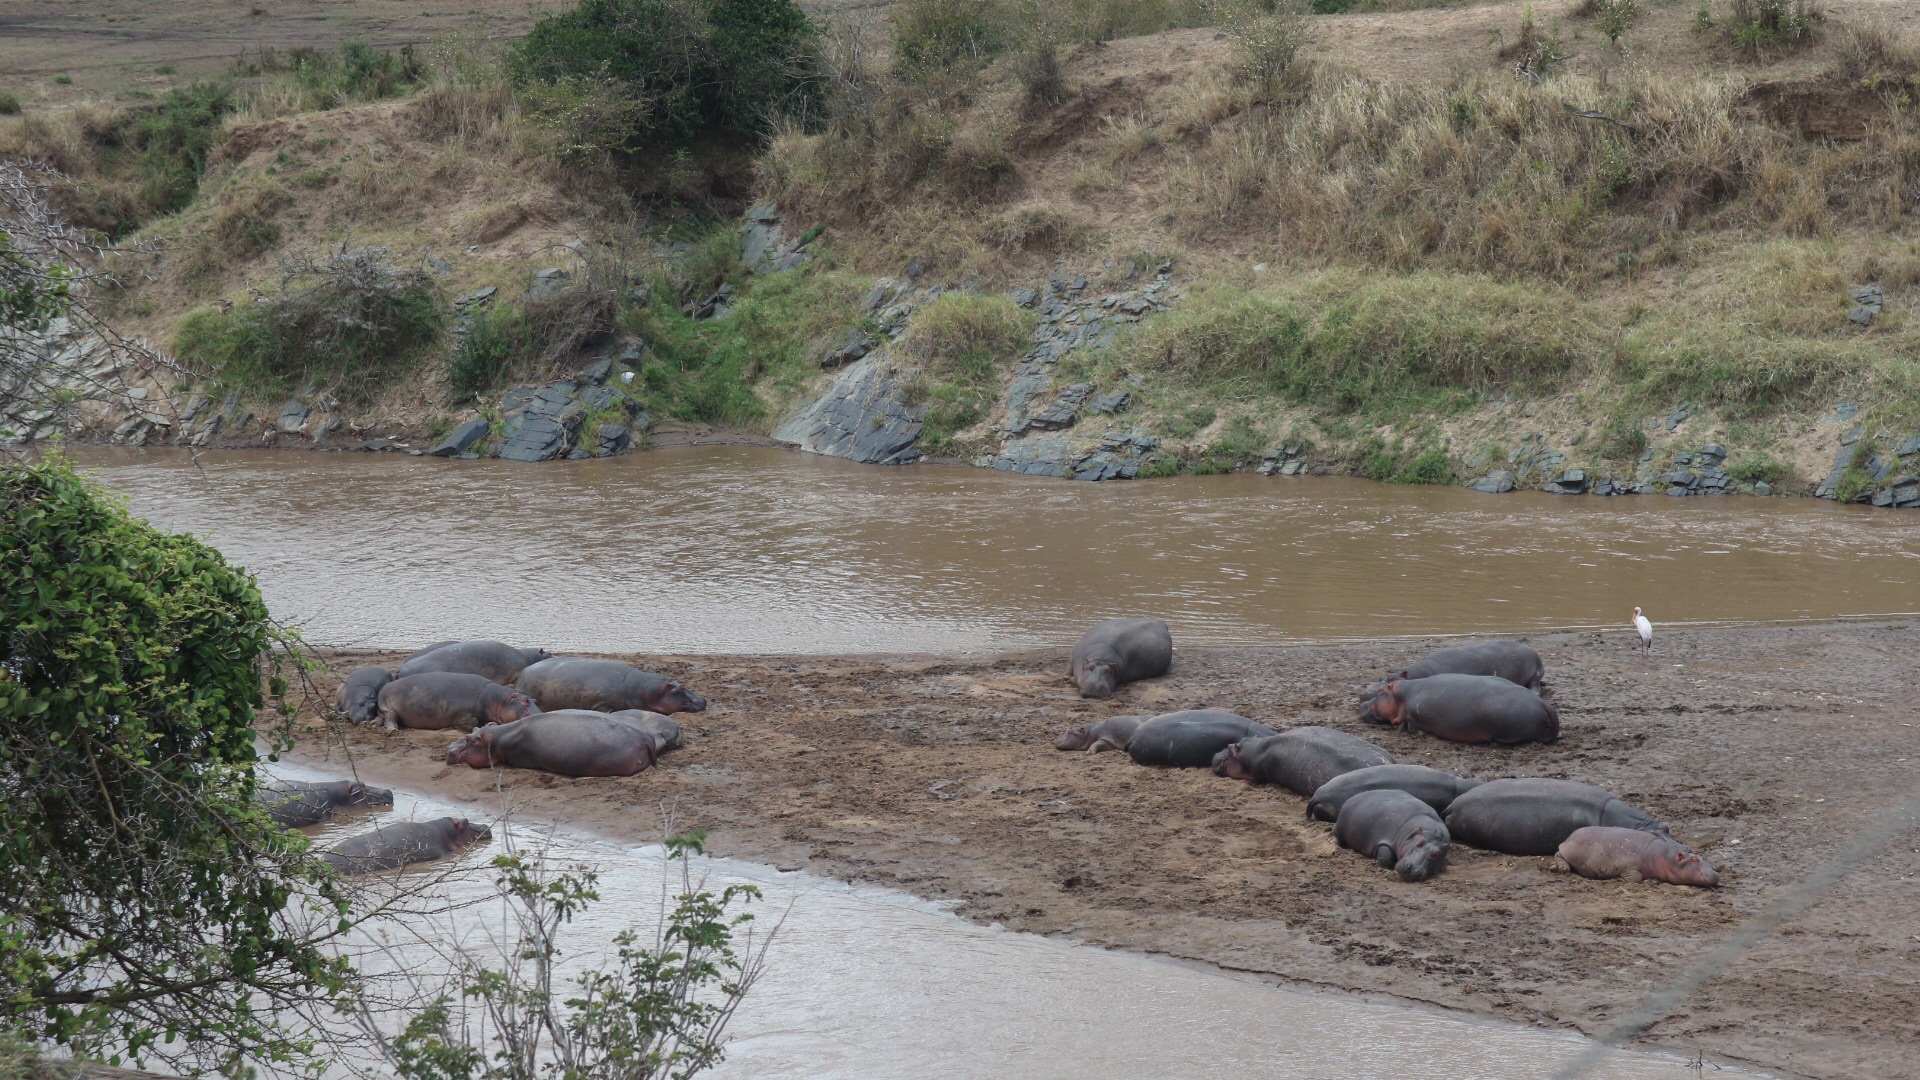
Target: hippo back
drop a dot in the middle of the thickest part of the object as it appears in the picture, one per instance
(1509, 660)
(1189, 739)
(1477, 708)
(1431, 786)
(576, 742)
(395, 845)
(1304, 758)
(1534, 816)
(494, 660)
(569, 682)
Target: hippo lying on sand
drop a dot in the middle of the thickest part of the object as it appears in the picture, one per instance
(445, 699)
(501, 663)
(1431, 786)
(1397, 829)
(1509, 660)
(664, 729)
(360, 693)
(403, 843)
(1603, 851)
(570, 742)
(1534, 816)
(605, 686)
(296, 803)
(1190, 739)
(1120, 651)
(1112, 733)
(1466, 709)
(1299, 759)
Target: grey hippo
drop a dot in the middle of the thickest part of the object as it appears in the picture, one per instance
(605, 686)
(1510, 660)
(1605, 851)
(1534, 816)
(664, 729)
(500, 662)
(1299, 759)
(447, 699)
(1466, 709)
(1190, 739)
(1397, 829)
(1119, 651)
(1431, 786)
(403, 843)
(360, 693)
(298, 803)
(1113, 733)
(569, 742)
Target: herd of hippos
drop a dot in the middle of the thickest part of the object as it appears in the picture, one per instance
(523, 708)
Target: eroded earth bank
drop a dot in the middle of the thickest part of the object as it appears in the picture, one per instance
(1767, 749)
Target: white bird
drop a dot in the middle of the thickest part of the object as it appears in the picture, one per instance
(1641, 624)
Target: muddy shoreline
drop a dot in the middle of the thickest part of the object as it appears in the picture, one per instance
(1766, 748)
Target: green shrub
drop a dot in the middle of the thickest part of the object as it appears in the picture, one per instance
(63, 80)
(356, 71)
(9, 104)
(494, 342)
(1377, 465)
(1621, 437)
(1759, 467)
(1759, 26)
(1431, 467)
(967, 338)
(689, 67)
(1854, 484)
(1334, 7)
(351, 321)
(937, 35)
(174, 139)
(143, 897)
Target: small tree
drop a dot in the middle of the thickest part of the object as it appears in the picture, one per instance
(145, 901)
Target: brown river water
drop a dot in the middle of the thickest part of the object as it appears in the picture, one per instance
(752, 550)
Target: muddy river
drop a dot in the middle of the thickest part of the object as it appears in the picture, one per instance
(864, 982)
(752, 550)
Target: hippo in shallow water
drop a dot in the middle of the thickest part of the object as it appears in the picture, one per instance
(1397, 829)
(1466, 709)
(1509, 660)
(1095, 736)
(1604, 851)
(664, 729)
(1189, 739)
(499, 662)
(1119, 651)
(570, 742)
(360, 693)
(1299, 759)
(1431, 786)
(447, 699)
(299, 803)
(403, 843)
(1534, 816)
(605, 686)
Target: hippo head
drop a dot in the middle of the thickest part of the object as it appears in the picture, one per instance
(673, 696)
(1386, 703)
(475, 750)
(1421, 855)
(1098, 678)
(462, 833)
(1682, 867)
(511, 706)
(1077, 737)
(534, 656)
(1232, 763)
(362, 795)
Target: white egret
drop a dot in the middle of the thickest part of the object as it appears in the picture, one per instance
(1645, 628)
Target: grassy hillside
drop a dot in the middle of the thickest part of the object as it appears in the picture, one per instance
(1404, 228)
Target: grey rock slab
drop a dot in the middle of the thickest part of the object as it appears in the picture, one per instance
(476, 297)
(1495, 483)
(293, 415)
(1852, 435)
(1762, 488)
(461, 439)
(598, 371)
(860, 417)
(1115, 402)
(1908, 448)
(547, 281)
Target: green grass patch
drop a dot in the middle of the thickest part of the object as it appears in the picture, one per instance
(1758, 466)
(1621, 437)
(9, 104)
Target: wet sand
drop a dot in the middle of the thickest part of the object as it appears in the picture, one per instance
(1765, 748)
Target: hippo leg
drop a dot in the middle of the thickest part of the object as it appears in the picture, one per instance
(389, 721)
(1385, 853)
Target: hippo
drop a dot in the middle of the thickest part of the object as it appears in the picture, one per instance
(1396, 828)
(1120, 651)
(1466, 709)
(418, 653)
(501, 663)
(448, 699)
(1299, 759)
(296, 803)
(1509, 660)
(1604, 851)
(1431, 786)
(570, 742)
(1189, 739)
(360, 693)
(664, 729)
(403, 843)
(1095, 736)
(1534, 816)
(605, 686)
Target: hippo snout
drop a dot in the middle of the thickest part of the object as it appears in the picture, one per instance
(695, 703)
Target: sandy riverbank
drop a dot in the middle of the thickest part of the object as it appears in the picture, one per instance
(1765, 748)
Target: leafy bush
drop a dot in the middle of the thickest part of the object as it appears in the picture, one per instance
(1430, 467)
(513, 338)
(1268, 35)
(967, 338)
(1621, 437)
(9, 104)
(352, 321)
(684, 68)
(937, 35)
(142, 895)
(1759, 467)
(175, 138)
(1762, 25)
(1187, 422)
